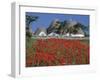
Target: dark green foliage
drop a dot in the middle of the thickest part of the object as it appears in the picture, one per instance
(28, 34)
(30, 19)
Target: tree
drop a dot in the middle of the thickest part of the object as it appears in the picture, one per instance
(29, 19)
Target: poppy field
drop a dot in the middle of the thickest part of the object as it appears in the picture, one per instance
(55, 52)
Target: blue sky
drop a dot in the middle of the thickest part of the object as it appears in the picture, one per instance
(44, 19)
